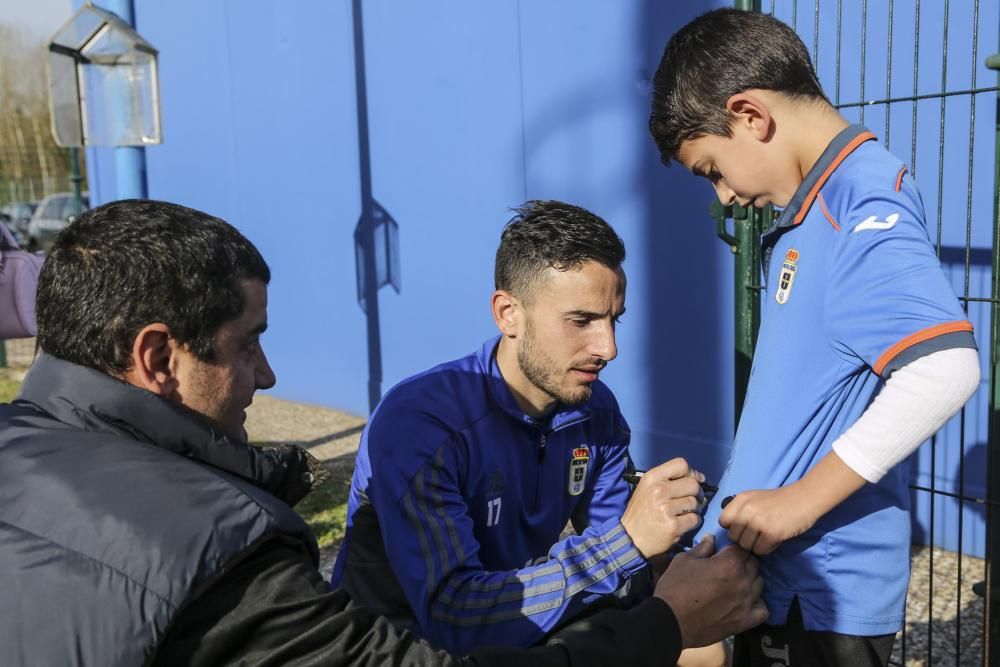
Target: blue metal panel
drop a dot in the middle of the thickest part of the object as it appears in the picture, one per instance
(587, 68)
(446, 151)
(471, 109)
(260, 129)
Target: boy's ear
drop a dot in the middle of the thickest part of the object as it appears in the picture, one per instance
(751, 113)
(506, 313)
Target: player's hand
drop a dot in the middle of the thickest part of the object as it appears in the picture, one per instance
(665, 505)
(713, 595)
(759, 521)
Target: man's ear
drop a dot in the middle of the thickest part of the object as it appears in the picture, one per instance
(152, 361)
(751, 113)
(507, 313)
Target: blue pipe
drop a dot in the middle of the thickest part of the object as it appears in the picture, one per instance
(130, 161)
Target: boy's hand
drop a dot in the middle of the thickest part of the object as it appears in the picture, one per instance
(664, 506)
(759, 521)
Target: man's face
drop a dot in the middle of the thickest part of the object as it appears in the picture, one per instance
(222, 389)
(739, 168)
(569, 333)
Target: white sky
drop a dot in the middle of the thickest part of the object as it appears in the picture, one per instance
(39, 18)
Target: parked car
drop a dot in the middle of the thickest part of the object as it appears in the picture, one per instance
(9, 226)
(16, 216)
(53, 213)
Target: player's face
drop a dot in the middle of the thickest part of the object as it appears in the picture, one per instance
(569, 332)
(739, 169)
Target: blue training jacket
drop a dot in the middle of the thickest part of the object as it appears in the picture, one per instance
(458, 501)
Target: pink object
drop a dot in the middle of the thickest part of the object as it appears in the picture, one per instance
(19, 271)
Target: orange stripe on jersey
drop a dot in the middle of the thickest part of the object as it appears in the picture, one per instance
(919, 337)
(822, 205)
(848, 149)
(899, 179)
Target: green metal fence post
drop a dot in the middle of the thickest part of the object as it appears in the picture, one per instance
(992, 648)
(747, 227)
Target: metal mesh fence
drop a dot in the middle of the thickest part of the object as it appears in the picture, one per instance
(913, 71)
(29, 173)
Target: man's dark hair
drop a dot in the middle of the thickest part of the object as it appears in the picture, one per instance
(552, 234)
(716, 56)
(127, 264)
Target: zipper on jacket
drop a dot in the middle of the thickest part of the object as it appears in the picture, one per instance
(540, 470)
(542, 441)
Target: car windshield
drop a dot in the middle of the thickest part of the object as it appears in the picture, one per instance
(19, 209)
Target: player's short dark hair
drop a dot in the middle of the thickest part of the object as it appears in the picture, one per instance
(716, 56)
(552, 234)
(122, 266)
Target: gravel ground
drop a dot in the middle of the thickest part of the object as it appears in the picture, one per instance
(941, 614)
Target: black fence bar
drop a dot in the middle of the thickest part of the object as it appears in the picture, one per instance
(881, 20)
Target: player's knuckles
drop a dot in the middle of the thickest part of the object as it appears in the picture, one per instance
(689, 522)
(686, 487)
(672, 468)
(678, 466)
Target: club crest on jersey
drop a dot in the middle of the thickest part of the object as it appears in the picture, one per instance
(787, 275)
(578, 470)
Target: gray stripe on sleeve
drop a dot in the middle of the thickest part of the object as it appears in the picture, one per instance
(456, 544)
(425, 548)
(495, 617)
(512, 578)
(448, 599)
(421, 496)
(955, 339)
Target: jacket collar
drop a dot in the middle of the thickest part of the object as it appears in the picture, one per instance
(846, 141)
(91, 400)
(502, 396)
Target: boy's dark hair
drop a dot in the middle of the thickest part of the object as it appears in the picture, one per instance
(716, 56)
(127, 264)
(544, 234)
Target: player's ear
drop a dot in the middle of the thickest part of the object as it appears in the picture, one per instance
(751, 113)
(507, 313)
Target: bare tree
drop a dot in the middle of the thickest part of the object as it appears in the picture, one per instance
(31, 164)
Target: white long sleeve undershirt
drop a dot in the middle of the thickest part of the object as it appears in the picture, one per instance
(915, 402)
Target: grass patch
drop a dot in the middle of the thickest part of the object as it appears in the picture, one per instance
(8, 389)
(325, 509)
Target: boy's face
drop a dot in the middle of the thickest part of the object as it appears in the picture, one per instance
(740, 168)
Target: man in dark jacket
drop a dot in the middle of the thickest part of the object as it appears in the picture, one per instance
(137, 526)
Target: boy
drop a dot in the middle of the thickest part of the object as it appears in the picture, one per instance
(855, 304)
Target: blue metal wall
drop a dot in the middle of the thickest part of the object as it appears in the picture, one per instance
(472, 108)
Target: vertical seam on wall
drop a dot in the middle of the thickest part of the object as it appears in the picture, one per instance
(520, 79)
(234, 199)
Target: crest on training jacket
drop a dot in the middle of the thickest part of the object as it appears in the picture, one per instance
(578, 470)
